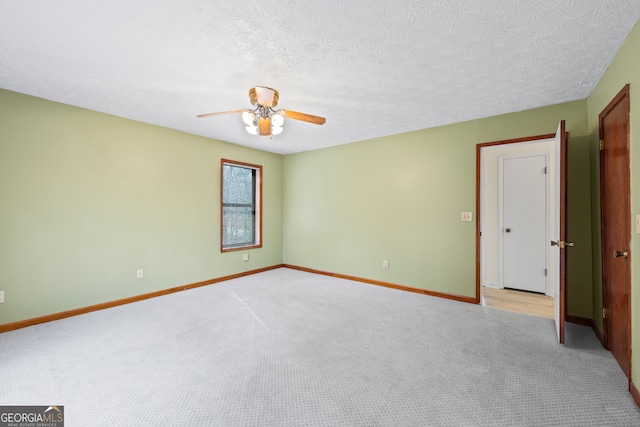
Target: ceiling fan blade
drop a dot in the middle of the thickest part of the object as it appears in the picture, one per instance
(264, 126)
(219, 114)
(304, 117)
(264, 96)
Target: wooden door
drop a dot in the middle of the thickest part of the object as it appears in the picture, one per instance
(560, 228)
(616, 228)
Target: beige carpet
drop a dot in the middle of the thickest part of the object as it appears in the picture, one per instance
(287, 348)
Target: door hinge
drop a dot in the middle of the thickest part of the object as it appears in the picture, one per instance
(601, 144)
(545, 271)
(545, 170)
(605, 312)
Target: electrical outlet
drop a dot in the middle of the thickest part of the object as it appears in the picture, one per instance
(466, 216)
(245, 257)
(140, 274)
(638, 223)
(1, 297)
(385, 264)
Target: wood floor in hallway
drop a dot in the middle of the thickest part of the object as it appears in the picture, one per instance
(518, 301)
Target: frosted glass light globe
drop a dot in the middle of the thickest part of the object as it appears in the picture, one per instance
(277, 119)
(248, 117)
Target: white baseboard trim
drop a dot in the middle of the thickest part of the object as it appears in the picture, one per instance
(491, 285)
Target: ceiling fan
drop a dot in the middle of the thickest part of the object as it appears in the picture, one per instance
(264, 120)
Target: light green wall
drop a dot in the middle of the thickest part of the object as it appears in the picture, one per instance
(350, 207)
(347, 208)
(88, 198)
(579, 270)
(624, 69)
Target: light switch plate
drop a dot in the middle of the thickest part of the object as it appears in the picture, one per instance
(638, 223)
(466, 216)
(1, 297)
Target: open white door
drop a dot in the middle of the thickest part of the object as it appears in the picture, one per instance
(559, 258)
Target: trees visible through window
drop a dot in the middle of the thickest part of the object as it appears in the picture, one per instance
(241, 210)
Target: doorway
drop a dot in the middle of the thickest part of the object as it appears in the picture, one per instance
(615, 223)
(557, 229)
(494, 234)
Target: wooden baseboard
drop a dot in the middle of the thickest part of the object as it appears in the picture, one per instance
(462, 298)
(635, 393)
(579, 320)
(82, 310)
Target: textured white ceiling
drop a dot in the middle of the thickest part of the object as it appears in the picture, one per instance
(371, 67)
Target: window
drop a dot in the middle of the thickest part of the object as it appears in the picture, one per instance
(241, 206)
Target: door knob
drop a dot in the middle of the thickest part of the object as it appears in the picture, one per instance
(561, 244)
(508, 230)
(621, 254)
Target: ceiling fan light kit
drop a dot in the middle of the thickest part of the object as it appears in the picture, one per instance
(264, 120)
